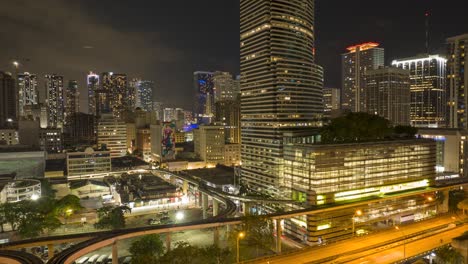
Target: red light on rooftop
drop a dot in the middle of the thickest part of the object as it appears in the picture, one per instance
(427, 14)
(363, 46)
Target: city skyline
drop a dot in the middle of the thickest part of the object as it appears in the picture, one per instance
(143, 30)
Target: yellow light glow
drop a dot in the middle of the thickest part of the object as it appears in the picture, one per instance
(323, 227)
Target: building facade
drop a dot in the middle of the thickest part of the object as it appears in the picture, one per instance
(209, 144)
(204, 93)
(428, 89)
(84, 129)
(331, 101)
(72, 102)
(112, 133)
(8, 101)
(55, 101)
(144, 95)
(228, 114)
(391, 176)
(388, 94)
(51, 140)
(28, 92)
(355, 63)
(88, 162)
(9, 137)
(457, 78)
(281, 85)
(92, 81)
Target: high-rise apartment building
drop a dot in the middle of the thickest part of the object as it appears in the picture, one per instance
(112, 133)
(92, 81)
(281, 85)
(355, 63)
(228, 114)
(55, 100)
(428, 89)
(204, 93)
(8, 101)
(144, 95)
(114, 94)
(72, 102)
(388, 94)
(225, 88)
(457, 78)
(28, 93)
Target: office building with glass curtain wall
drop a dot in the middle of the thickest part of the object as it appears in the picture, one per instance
(281, 86)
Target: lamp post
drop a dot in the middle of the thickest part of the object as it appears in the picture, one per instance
(404, 241)
(239, 236)
(357, 213)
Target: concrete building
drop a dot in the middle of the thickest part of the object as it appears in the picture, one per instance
(209, 144)
(331, 102)
(457, 81)
(92, 81)
(9, 137)
(83, 129)
(113, 94)
(143, 142)
(388, 94)
(72, 102)
(19, 190)
(8, 101)
(51, 140)
(389, 174)
(428, 89)
(355, 63)
(225, 87)
(144, 95)
(28, 133)
(55, 101)
(28, 92)
(86, 189)
(232, 154)
(22, 161)
(228, 115)
(112, 133)
(281, 85)
(88, 162)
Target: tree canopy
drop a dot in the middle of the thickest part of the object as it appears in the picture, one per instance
(111, 217)
(147, 249)
(358, 127)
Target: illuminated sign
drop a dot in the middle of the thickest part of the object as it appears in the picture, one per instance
(363, 46)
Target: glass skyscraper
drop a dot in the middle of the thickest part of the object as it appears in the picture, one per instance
(281, 86)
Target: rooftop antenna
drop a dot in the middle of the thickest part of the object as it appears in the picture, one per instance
(428, 16)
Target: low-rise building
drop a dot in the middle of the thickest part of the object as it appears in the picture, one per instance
(88, 162)
(9, 137)
(209, 144)
(22, 161)
(89, 188)
(19, 190)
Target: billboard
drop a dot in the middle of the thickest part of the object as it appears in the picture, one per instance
(168, 151)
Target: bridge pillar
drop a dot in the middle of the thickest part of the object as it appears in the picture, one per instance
(204, 205)
(215, 207)
(115, 253)
(247, 206)
(279, 233)
(168, 241)
(200, 195)
(216, 236)
(50, 249)
(185, 187)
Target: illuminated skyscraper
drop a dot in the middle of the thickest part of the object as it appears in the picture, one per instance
(331, 101)
(204, 93)
(428, 89)
(355, 63)
(55, 100)
(281, 86)
(225, 87)
(72, 104)
(144, 95)
(28, 92)
(113, 95)
(388, 94)
(8, 101)
(92, 81)
(457, 78)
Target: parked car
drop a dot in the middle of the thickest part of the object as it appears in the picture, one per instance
(152, 221)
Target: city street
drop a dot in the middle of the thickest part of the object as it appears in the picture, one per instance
(327, 254)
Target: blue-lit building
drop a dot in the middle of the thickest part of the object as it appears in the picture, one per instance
(204, 94)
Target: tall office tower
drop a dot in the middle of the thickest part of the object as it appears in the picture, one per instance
(228, 114)
(355, 63)
(28, 92)
(158, 108)
(457, 78)
(112, 133)
(204, 93)
(55, 100)
(281, 85)
(388, 94)
(92, 80)
(72, 101)
(224, 86)
(144, 95)
(331, 100)
(169, 114)
(131, 93)
(113, 94)
(8, 101)
(428, 89)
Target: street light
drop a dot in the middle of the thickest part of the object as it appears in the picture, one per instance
(357, 213)
(34, 197)
(404, 241)
(241, 235)
(179, 216)
(16, 64)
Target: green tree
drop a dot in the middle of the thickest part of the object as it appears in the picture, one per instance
(46, 188)
(448, 255)
(147, 249)
(36, 217)
(111, 217)
(216, 255)
(68, 205)
(182, 253)
(455, 197)
(12, 214)
(405, 131)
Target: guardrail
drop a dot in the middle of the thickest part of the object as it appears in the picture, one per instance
(19, 257)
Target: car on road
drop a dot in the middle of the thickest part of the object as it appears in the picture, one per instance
(153, 221)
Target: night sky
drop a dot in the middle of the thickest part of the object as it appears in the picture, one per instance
(165, 41)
